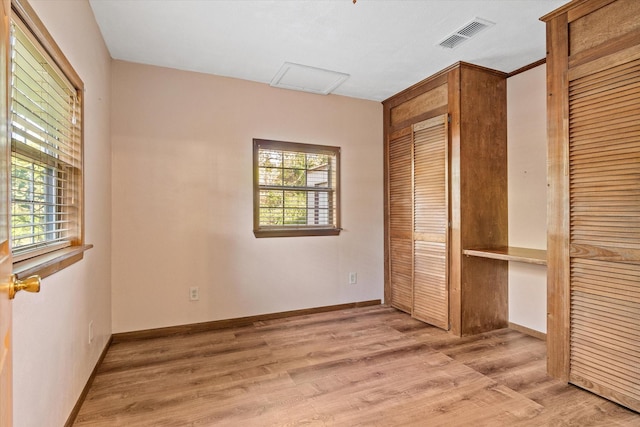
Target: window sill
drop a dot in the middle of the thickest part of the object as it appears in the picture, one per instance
(279, 232)
(52, 262)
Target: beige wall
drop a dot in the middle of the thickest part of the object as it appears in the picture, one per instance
(52, 356)
(183, 206)
(527, 162)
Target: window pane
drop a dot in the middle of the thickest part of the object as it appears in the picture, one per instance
(271, 198)
(319, 212)
(294, 178)
(320, 200)
(270, 176)
(294, 160)
(271, 216)
(318, 178)
(295, 216)
(316, 160)
(270, 158)
(295, 203)
(294, 199)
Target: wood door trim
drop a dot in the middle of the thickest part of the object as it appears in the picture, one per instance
(558, 198)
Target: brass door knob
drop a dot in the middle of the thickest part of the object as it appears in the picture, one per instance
(30, 284)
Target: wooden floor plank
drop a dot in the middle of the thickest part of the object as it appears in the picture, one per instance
(368, 366)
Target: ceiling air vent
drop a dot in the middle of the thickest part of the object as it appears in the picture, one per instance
(465, 33)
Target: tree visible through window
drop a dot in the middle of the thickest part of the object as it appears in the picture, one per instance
(295, 189)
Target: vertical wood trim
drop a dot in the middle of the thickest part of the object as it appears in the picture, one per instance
(558, 267)
(455, 248)
(447, 198)
(6, 316)
(386, 114)
(256, 185)
(413, 221)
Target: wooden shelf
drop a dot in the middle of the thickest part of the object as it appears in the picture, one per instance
(511, 253)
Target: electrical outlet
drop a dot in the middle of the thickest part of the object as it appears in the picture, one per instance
(91, 332)
(194, 293)
(353, 278)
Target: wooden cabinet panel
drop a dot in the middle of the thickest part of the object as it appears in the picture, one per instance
(604, 25)
(427, 101)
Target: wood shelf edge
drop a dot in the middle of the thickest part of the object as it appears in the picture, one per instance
(510, 253)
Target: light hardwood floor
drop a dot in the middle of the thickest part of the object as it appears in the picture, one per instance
(370, 366)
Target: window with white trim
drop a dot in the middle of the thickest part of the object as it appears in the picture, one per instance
(46, 148)
(296, 189)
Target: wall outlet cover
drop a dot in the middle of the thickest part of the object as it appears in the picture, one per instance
(353, 278)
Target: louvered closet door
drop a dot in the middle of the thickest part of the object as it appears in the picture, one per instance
(604, 159)
(430, 279)
(400, 220)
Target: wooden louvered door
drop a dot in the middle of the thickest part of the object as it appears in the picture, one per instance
(400, 219)
(604, 186)
(430, 222)
(418, 220)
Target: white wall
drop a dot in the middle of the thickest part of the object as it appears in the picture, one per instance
(527, 163)
(52, 356)
(183, 201)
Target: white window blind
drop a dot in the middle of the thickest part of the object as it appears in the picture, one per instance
(46, 158)
(296, 189)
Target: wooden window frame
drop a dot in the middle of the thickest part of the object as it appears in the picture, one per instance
(45, 264)
(294, 230)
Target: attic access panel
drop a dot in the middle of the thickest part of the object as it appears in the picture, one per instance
(308, 79)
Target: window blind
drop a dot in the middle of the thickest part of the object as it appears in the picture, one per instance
(45, 150)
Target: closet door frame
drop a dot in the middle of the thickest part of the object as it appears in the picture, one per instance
(558, 267)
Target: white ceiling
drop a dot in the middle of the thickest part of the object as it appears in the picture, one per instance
(385, 46)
